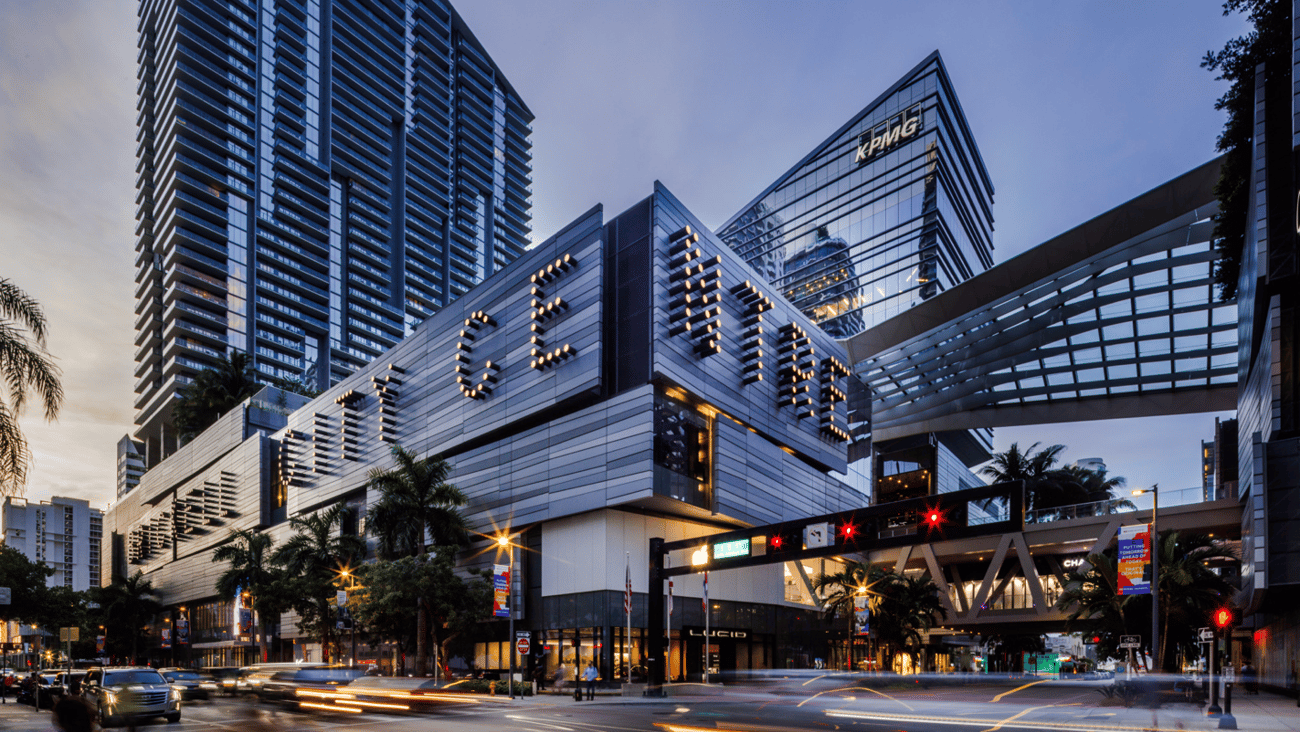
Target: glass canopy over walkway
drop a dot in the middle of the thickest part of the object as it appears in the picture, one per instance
(1115, 318)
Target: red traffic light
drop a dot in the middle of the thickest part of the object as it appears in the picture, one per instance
(776, 542)
(1095, 639)
(1222, 617)
(849, 530)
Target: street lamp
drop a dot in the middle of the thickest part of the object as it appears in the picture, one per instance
(503, 542)
(346, 574)
(1154, 490)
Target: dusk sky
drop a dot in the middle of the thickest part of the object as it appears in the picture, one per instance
(1076, 108)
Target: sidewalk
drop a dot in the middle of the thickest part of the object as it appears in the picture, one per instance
(16, 717)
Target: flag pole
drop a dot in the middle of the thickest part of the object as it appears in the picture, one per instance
(706, 626)
(628, 607)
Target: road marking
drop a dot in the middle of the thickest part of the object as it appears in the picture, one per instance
(531, 720)
(884, 717)
(910, 708)
(1014, 717)
(1018, 688)
(809, 681)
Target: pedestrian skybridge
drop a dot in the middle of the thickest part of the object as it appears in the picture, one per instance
(1115, 318)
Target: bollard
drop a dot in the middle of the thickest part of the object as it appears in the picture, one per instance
(1227, 721)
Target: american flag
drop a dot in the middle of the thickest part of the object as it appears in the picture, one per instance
(627, 592)
(704, 605)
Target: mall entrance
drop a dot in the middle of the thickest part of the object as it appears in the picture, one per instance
(733, 652)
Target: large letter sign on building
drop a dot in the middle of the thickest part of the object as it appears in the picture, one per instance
(1134, 560)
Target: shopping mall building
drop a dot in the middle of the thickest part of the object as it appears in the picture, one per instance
(626, 379)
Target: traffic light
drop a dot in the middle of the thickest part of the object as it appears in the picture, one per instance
(1222, 618)
(849, 531)
(932, 518)
(775, 541)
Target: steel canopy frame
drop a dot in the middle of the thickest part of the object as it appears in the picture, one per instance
(1115, 318)
(864, 529)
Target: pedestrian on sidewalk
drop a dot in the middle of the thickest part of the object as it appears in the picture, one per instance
(590, 677)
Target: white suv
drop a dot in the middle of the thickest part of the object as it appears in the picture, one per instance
(124, 693)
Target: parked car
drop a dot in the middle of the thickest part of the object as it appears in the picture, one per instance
(127, 693)
(48, 688)
(191, 683)
(71, 682)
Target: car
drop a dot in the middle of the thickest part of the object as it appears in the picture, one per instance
(192, 684)
(224, 679)
(306, 685)
(48, 688)
(128, 693)
(251, 678)
(71, 681)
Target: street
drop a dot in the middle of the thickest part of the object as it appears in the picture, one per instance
(832, 702)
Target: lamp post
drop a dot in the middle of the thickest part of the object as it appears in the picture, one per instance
(346, 574)
(503, 542)
(1154, 490)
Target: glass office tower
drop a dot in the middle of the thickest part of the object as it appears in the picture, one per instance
(892, 209)
(315, 177)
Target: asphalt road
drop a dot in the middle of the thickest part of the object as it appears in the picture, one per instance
(780, 705)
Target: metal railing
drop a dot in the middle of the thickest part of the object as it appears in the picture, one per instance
(1079, 510)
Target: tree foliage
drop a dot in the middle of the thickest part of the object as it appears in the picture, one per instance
(25, 366)
(1189, 592)
(392, 590)
(313, 559)
(127, 606)
(416, 503)
(901, 606)
(26, 582)
(212, 393)
(251, 570)
(1269, 42)
(1048, 486)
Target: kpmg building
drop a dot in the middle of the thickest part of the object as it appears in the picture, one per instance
(890, 210)
(315, 177)
(627, 379)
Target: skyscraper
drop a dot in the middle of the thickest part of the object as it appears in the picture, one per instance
(890, 210)
(893, 208)
(315, 177)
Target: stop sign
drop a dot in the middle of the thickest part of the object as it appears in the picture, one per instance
(521, 645)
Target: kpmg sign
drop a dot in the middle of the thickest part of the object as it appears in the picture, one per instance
(885, 136)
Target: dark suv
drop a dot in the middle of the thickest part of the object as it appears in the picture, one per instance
(124, 693)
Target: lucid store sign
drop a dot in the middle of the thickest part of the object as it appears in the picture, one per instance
(885, 136)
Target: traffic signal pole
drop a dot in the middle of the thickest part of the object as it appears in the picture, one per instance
(1213, 709)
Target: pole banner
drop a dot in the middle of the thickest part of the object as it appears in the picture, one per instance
(182, 628)
(99, 645)
(1135, 560)
(166, 638)
(861, 616)
(501, 590)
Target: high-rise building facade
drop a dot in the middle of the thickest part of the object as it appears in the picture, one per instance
(315, 177)
(63, 533)
(893, 208)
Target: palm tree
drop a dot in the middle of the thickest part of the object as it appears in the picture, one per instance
(1189, 592)
(213, 392)
(910, 605)
(25, 365)
(416, 502)
(128, 604)
(840, 590)
(1099, 485)
(1046, 486)
(313, 559)
(250, 570)
(902, 606)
